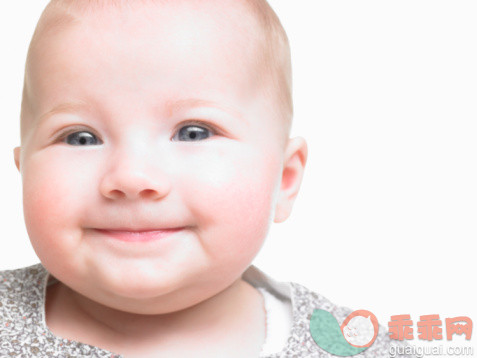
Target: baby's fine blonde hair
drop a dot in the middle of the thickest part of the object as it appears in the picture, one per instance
(274, 59)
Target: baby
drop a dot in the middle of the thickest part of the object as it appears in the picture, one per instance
(155, 154)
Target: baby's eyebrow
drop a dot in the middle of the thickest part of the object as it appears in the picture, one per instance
(172, 107)
(68, 107)
(184, 104)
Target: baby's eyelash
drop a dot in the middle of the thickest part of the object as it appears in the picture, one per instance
(65, 133)
(198, 123)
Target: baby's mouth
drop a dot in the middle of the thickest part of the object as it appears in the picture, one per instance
(142, 235)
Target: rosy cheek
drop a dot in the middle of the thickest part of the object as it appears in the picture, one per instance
(234, 197)
(51, 193)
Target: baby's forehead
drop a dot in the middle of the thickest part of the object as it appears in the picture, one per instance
(227, 23)
(150, 33)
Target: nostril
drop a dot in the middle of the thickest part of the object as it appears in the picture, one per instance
(149, 193)
(117, 194)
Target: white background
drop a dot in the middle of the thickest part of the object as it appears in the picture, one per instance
(385, 94)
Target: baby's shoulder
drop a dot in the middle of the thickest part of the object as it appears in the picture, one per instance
(314, 316)
(14, 284)
(20, 295)
(23, 330)
(315, 330)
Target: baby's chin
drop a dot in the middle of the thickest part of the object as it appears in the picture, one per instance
(145, 295)
(141, 300)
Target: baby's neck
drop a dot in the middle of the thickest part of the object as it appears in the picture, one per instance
(231, 321)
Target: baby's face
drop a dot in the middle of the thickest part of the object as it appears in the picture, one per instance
(148, 120)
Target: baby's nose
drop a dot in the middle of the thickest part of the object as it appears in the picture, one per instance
(132, 178)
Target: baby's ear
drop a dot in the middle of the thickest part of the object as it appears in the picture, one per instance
(16, 156)
(292, 174)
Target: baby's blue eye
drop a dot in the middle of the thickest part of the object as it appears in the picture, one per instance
(192, 133)
(82, 138)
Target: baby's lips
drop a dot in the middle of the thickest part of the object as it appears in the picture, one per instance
(138, 235)
(138, 230)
